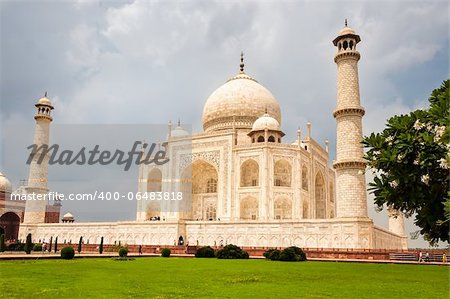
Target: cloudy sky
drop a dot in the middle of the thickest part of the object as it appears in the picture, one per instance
(142, 62)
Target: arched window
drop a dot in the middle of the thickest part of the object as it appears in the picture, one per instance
(211, 212)
(271, 139)
(154, 184)
(249, 208)
(282, 208)
(282, 173)
(345, 45)
(305, 178)
(249, 173)
(211, 186)
(319, 191)
(351, 45)
(261, 139)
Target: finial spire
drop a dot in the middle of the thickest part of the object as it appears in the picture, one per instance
(45, 95)
(242, 63)
(179, 122)
(345, 22)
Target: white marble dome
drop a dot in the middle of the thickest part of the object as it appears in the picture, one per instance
(266, 122)
(44, 101)
(179, 132)
(238, 103)
(5, 184)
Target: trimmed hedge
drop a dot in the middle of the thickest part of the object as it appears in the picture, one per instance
(67, 253)
(289, 254)
(206, 252)
(37, 247)
(231, 251)
(123, 252)
(165, 252)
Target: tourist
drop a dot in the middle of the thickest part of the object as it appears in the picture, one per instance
(140, 249)
(420, 256)
(444, 258)
(427, 257)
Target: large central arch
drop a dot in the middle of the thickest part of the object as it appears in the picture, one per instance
(205, 186)
(10, 222)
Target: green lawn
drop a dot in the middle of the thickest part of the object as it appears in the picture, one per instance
(212, 278)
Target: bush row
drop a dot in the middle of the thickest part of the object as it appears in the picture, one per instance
(289, 254)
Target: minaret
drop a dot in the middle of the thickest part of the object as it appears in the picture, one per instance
(351, 198)
(38, 175)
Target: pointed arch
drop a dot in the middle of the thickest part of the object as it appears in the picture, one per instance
(304, 178)
(202, 178)
(319, 195)
(249, 173)
(282, 173)
(249, 208)
(282, 208)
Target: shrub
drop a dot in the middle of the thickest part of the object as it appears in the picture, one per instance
(165, 252)
(206, 251)
(123, 252)
(2, 243)
(292, 254)
(231, 251)
(16, 247)
(272, 254)
(28, 245)
(67, 253)
(37, 247)
(80, 243)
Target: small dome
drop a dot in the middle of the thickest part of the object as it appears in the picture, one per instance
(68, 216)
(266, 122)
(5, 184)
(346, 30)
(44, 101)
(179, 132)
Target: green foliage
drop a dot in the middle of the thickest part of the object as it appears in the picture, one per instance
(80, 244)
(289, 254)
(410, 160)
(28, 245)
(2, 243)
(272, 254)
(37, 247)
(67, 253)
(231, 251)
(50, 244)
(100, 249)
(165, 252)
(206, 251)
(292, 254)
(16, 247)
(56, 244)
(123, 252)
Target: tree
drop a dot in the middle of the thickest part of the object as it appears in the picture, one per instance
(28, 245)
(56, 244)
(410, 161)
(2, 243)
(80, 243)
(100, 249)
(50, 244)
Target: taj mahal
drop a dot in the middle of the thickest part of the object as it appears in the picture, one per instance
(246, 184)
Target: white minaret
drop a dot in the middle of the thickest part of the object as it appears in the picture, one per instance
(351, 198)
(38, 175)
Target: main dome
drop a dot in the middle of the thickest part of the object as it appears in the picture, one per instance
(238, 103)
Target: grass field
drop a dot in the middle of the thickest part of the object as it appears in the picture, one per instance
(212, 278)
